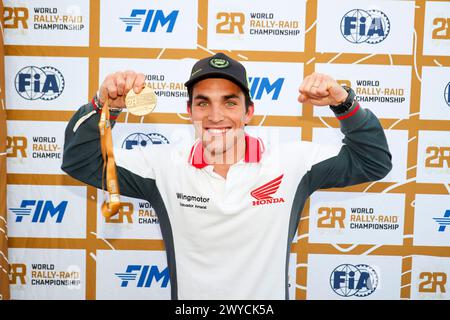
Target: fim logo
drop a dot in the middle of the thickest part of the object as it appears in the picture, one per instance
(152, 18)
(260, 85)
(33, 83)
(447, 94)
(348, 280)
(360, 26)
(142, 140)
(40, 210)
(432, 282)
(145, 275)
(13, 16)
(443, 222)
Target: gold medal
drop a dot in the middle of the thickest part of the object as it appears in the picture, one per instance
(141, 104)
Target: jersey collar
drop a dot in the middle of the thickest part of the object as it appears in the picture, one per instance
(254, 148)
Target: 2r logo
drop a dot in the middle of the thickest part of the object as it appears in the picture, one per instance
(442, 31)
(437, 157)
(13, 16)
(125, 211)
(17, 273)
(347, 83)
(433, 281)
(16, 145)
(331, 217)
(229, 22)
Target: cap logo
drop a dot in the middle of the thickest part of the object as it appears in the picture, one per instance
(219, 63)
(196, 71)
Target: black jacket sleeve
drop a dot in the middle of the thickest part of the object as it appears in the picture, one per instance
(363, 157)
(82, 157)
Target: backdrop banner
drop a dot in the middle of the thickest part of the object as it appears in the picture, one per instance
(4, 265)
(388, 239)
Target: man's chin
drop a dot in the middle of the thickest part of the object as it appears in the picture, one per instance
(214, 150)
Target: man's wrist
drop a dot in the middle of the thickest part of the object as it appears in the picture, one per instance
(98, 105)
(346, 104)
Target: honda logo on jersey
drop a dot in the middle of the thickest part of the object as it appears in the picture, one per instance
(263, 194)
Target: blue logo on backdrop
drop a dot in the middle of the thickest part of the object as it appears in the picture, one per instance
(443, 222)
(42, 209)
(447, 94)
(142, 140)
(152, 18)
(262, 85)
(348, 280)
(145, 276)
(33, 83)
(361, 26)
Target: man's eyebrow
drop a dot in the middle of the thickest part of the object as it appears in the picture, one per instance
(201, 97)
(230, 96)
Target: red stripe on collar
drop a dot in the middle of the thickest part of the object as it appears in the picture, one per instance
(196, 157)
(254, 148)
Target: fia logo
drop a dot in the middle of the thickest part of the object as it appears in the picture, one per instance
(33, 83)
(152, 19)
(348, 280)
(145, 275)
(361, 26)
(447, 94)
(142, 140)
(42, 209)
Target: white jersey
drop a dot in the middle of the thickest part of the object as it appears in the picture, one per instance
(231, 238)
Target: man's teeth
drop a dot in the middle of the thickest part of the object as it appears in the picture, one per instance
(223, 130)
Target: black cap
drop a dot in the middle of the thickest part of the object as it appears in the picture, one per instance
(219, 66)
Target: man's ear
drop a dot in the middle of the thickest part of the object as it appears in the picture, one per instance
(249, 114)
(189, 109)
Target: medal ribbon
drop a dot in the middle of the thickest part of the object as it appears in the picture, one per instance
(110, 208)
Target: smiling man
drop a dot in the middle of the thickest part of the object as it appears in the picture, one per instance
(229, 205)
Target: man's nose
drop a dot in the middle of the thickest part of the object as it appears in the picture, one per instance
(215, 114)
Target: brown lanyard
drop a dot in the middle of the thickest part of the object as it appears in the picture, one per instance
(110, 208)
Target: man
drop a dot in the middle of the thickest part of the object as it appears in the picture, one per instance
(229, 206)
